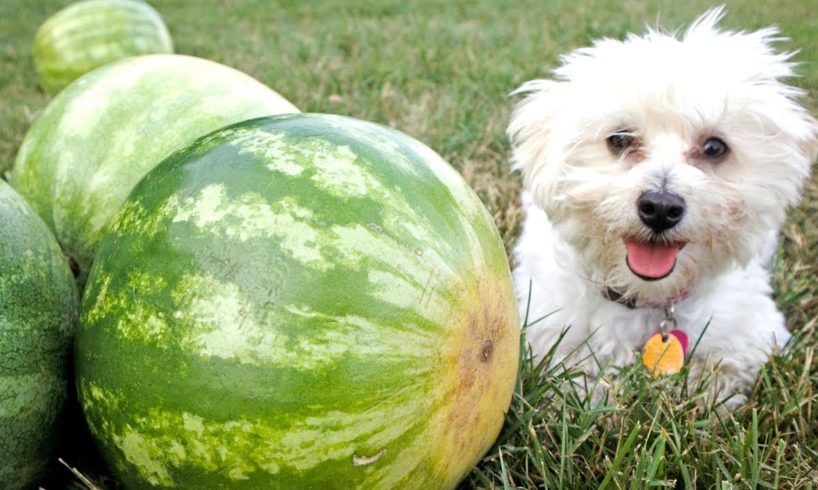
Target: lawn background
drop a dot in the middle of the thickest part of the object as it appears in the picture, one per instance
(441, 71)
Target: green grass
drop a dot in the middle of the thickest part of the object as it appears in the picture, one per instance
(441, 71)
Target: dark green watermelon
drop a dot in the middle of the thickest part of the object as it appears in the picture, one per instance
(38, 313)
(304, 301)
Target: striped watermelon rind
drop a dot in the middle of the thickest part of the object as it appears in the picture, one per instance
(301, 301)
(98, 137)
(92, 33)
(38, 312)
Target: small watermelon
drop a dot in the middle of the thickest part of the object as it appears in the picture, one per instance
(92, 33)
(104, 132)
(38, 312)
(303, 301)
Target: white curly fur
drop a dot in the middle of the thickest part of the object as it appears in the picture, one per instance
(670, 92)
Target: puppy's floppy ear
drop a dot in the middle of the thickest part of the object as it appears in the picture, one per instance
(531, 124)
(810, 146)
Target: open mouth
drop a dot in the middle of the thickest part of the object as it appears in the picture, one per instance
(652, 260)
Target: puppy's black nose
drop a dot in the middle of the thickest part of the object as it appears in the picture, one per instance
(660, 210)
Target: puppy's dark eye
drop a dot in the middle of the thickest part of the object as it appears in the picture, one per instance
(620, 142)
(714, 149)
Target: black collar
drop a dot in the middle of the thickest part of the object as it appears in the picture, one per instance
(632, 302)
(619, 297)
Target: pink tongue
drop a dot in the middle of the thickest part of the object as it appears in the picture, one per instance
(651, 260)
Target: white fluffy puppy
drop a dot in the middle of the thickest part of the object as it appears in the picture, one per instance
(657, 171)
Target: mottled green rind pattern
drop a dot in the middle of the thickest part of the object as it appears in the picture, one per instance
(92, 33)
(38, 312)
(303, 301)
(99, 136)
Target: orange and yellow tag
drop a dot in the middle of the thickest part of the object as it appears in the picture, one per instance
(664, 353)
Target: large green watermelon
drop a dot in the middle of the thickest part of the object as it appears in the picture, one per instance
(104, 132)
(38, 312)
(91, 33)
(303, 301)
